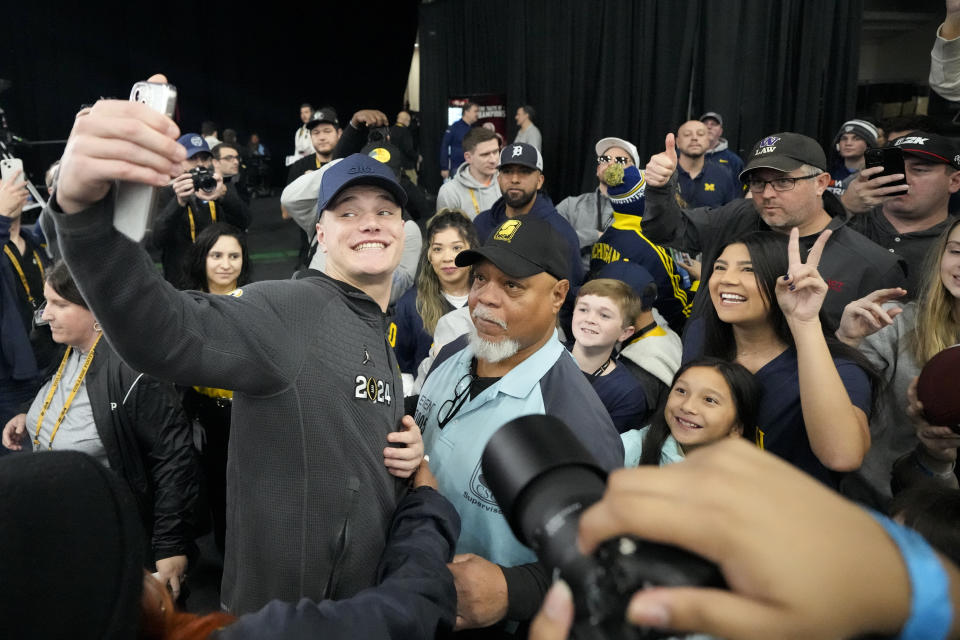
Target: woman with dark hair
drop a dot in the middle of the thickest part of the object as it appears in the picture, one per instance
(216, 263)
(442, 286)
(710, 399)
(129, 422)
(816, 392)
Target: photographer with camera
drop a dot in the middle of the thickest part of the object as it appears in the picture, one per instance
(195, 199)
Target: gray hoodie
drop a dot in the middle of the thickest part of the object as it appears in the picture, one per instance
(464, 192)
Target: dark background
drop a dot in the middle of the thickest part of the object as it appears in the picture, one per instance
(615, 68)
(244, 70)
(592, 69)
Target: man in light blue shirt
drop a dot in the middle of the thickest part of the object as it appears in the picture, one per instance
(510, 365)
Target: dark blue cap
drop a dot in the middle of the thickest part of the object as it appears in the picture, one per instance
(635, 275)
(354, 170)
(194, 144)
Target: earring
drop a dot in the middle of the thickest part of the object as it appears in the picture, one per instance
(96, 326)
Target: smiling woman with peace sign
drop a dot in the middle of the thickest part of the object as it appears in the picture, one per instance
(764, 313)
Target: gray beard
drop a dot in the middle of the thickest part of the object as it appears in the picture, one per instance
(492, 352)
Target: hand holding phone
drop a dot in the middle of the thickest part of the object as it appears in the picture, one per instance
(134, 203)
(13, 189)
(891, 159)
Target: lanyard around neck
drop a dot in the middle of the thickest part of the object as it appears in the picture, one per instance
(193, 226)
(23, 276)
(73, 393)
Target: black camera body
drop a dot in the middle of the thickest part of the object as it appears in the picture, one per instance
(543, 479)
(203, 179)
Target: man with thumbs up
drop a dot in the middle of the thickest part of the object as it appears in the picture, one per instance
(787, 180)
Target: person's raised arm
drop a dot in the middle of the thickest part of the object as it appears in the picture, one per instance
(945, 55)
(837, 429)
(866, 316)
(217, 341)
(664, 221)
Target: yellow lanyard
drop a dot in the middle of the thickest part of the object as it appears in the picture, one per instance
(476, 205)
(73, 393)
(193, 226)
(317, 158)
(19, 270)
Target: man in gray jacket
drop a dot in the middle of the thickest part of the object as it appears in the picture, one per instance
(591, 213)
(474, 187)
(317, 392)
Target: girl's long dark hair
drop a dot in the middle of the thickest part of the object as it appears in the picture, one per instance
(768, 253)
(195, 262)
(744, 391)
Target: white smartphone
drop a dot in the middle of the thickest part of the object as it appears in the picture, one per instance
(134, 203)
(9, 166)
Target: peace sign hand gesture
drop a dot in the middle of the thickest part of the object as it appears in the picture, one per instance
(801, 292)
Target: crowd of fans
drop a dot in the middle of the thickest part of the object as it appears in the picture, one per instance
(694, 307)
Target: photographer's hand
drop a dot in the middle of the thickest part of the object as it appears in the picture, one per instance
(837, 552)
(555, 617)
(216, 193)
(183, 187)
(117, 140)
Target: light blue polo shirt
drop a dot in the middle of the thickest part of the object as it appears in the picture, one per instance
(548, 382)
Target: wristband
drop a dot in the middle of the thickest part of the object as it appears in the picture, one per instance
(930, 609)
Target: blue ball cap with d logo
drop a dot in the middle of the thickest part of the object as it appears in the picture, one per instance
(355, 170)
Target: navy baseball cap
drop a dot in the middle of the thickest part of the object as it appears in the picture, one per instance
(521, 153)
(635, 275)
(354, 170)
(522, 247)
(194, 144)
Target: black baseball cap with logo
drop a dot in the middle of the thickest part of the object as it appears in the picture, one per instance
(933, 148)
(325, 115)
(785, 152)
(522, 247)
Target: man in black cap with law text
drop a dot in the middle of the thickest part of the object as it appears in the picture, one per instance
(786, 175)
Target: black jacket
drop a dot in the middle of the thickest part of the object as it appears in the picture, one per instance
(414, 596)
(852, 265)
(316, 391)
(148, 443)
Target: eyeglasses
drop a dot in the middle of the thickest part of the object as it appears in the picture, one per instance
(450, 408)
(230, 158)
(618, 159)
(779, 184)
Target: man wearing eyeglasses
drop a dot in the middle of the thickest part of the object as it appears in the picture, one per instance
(590, 213)
(787, 179)
(511, 364)
(226, 162)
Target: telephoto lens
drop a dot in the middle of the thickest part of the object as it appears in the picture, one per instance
(543, 479)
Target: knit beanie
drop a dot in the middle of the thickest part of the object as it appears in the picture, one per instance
(625, 188)
(860, 128)
(73, 549)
